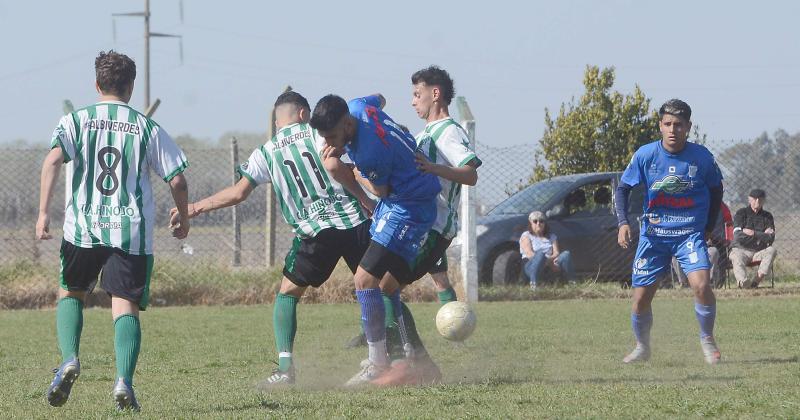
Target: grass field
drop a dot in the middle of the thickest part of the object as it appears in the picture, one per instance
(526, 359)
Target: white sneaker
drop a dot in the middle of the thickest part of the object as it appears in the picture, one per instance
(369, 372)
(639, 354)
(710, 350)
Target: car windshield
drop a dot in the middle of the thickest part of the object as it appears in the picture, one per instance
(531, 198)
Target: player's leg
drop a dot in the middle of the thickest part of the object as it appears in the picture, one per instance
(373, 315)
(432, 259)
(284, 324)
(650, 262)
(79, 270)
(309, 262)
(127, 344)
(693, 257)
(126, 278)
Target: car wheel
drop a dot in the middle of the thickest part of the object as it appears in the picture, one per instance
(506, 267)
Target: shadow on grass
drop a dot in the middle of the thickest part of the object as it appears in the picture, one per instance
(592, 381)
(770, 360)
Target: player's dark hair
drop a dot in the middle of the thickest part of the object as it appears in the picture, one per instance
(115, 72)
(294, 98)
(328, 112)
(434, 76)
(677, 108)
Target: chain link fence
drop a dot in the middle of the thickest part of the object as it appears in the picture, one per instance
(769, 162)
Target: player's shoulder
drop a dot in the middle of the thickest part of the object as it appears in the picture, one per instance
(647, 150)
(699, 150)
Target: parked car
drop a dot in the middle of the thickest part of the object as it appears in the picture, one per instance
(580, 212)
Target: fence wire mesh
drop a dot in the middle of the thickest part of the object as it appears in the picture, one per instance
(769, 162)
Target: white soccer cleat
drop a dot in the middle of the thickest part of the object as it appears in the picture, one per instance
(368, 373)
(710, 350)
(639, 354)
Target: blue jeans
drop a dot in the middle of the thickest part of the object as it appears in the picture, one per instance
(534, 266)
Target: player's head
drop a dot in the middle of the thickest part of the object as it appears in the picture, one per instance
(114, 74)
(433, 87)
(331, 118)
(290, 108)
(675, 122)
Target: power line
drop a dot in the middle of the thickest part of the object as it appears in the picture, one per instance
(147, 35)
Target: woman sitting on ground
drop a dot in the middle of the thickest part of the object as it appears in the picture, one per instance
(540, 248)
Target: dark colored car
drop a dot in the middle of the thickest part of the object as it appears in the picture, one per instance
(580, 212)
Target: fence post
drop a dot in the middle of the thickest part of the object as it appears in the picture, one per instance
(469, 260)
(237, 225)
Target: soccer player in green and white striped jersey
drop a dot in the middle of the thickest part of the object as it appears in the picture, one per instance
(329, 221)
(109, 217)
(446, 153)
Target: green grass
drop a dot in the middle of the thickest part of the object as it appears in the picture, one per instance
(526, 359)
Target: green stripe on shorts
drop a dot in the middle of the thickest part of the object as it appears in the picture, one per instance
(291, 256)
(145, 300)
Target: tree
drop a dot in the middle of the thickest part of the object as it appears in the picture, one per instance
(598, 133)
(764, 162)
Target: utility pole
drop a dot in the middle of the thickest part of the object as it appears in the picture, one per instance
(147, 35)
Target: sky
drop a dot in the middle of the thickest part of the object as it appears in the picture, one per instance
(736, 63)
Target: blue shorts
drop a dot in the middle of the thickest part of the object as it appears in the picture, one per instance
(654, 256)
(402, 228)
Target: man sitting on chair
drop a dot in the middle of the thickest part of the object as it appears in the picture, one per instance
(753, 235)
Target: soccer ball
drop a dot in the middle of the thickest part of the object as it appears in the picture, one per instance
(456, 321)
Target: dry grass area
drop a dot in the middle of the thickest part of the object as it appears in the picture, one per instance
(27, 286)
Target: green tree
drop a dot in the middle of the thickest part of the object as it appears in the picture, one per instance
(598, 133)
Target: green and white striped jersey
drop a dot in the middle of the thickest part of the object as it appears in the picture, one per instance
(310, 199)
(112, 149)
(446, 143)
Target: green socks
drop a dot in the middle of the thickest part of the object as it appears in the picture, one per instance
(127, 340)
(447, 296)
(69, 323)
(394, 343)
(284, 322)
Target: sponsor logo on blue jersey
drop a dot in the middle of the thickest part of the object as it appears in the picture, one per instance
(671, 184)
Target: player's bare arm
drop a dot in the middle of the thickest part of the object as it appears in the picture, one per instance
(465, 175)
(344, 175)
(180, 194)
(50, 170)
(227, 197)
(380, 191)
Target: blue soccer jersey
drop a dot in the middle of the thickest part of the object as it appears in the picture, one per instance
(677, 200)
(385, 154)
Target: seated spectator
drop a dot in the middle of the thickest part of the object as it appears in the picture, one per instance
(713, 258)
(540, 251)
(753, 235)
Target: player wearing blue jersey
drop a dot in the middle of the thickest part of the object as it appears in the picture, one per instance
(384, 156)
(683, 198)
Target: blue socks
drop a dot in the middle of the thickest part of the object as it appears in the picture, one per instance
(706, 314)
(373, 318)
(641, 324)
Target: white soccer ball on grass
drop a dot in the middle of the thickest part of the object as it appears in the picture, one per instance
(456, 321)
